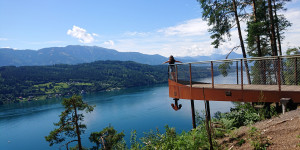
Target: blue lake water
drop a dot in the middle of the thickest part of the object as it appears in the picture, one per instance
(24, 125)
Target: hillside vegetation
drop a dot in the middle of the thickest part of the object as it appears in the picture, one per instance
(36, 82)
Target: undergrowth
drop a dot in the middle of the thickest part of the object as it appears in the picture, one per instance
(257, 141)
(222, 124)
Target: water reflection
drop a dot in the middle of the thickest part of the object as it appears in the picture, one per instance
(140, 109)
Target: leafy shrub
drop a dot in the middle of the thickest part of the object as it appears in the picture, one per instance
(241, 115)
(108, 138)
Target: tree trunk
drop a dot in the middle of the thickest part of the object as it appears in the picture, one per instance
(77, 127)
(257, 39)
(259, 52)
(279, 41)
(273, 38)
(277, 29)
(241, 41)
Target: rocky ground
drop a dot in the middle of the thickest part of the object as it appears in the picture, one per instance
(278, 133)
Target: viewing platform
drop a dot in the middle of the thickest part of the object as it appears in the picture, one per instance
(256, 79)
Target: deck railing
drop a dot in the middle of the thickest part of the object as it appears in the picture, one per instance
(279, 70)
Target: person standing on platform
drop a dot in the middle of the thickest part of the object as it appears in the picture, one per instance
(172, 69)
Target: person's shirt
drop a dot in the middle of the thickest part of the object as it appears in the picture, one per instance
(172, 61)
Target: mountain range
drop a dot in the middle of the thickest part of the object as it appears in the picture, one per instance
(75, 54)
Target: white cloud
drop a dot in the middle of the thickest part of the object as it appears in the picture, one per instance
(143, 34)
(10, 47)
(191, 38)
(109, 43)
(194, 27)
(187, 39)
(3, 39)
(94, 34)
(292, 34)
(81, 35)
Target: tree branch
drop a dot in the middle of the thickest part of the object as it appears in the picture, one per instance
(232, 50)
(67, 144)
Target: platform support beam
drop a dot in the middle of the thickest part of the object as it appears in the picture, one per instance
(193, 114)
(284, 102)
(208, 125)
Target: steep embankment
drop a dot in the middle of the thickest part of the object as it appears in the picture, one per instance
(280, 133)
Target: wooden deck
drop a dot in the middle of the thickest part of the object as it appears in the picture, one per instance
(234, 92)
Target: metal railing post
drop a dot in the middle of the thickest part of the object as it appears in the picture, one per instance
(168, 71)
(212, 74)
(237, 72)
(190, 66)
(296, 75)
(176, 78)
(242, 78)
(278, 74)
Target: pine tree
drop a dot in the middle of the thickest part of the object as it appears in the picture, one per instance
(70, 124)
(272, 29)
(107, 139)
(222, 15)
(281, 23)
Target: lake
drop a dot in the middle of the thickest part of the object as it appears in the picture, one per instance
(24, 125)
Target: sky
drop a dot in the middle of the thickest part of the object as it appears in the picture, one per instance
(164, 27)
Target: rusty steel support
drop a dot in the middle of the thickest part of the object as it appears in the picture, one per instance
(193, 114)
(190, 67)
(208, 125)
(278, 74)
(273, 89)
(212, 74)
(207, 119)
(237, 72)
(176, 78)
(192, 101)
(296, 75)
(242, 78)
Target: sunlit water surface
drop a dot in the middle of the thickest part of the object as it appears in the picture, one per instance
(24, 125)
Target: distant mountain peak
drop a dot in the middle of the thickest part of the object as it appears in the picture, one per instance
(72, 54)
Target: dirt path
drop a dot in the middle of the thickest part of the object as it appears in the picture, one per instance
(282, 132)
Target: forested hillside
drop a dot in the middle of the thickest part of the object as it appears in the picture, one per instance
(39, 82)
(36, 82)
(72, 54)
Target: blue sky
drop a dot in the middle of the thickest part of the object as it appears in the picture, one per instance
(162, 27)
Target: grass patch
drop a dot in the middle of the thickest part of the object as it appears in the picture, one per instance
(258, 142)
(241, 142)
(54, 88)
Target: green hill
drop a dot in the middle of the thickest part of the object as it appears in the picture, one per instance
(72, 54)
(36, 82)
